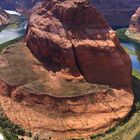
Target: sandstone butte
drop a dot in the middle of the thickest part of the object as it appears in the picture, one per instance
(74, 78)
(133, 31)
(4, 18)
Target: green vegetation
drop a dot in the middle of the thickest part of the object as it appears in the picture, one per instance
(136, 74)
(130, 51)
(15, 22)
(121, 131)
(9, 130)
(121, 34)
(128, 128)
(12, 25)
(3, 45)
(131, 126)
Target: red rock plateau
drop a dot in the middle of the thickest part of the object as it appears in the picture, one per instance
(76, 79)
(134, 28)
(4, 18)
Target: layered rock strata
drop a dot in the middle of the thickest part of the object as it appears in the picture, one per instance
(4, 18)
(53, 105)
(22, 6)
(76, 79)
(133, 31)
(72, 37)
(117, 12)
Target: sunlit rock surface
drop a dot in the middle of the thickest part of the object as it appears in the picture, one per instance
(73, 81)
(4, 18)
(133, 31)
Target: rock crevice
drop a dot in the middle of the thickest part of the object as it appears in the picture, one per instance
(65, 27)
(74, 80)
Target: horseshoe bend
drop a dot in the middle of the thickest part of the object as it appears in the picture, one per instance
(71, 78)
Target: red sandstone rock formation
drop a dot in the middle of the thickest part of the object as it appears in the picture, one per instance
(48, 103)
(4, 18)
(135, 22)
(72, 35)
(84, 85)
(22, 6)
(117, 12)
(133, 31)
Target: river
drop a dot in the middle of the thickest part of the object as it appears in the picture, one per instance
(10, 34)
(134, 52)
(133, 47)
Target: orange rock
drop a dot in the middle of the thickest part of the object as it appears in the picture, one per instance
(4, 18)
(72, 35)
(135, 22)
(83, 85)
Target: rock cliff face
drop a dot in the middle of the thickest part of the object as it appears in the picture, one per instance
(76, 39)
(117, 12)
(4, 18)
(135, 22)
(77, 80)
(19, 5)
(133, 31)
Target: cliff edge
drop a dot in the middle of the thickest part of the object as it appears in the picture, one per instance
(72, 78)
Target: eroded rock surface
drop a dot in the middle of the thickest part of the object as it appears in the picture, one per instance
(135, 22)
(117, 12)
(53, 105)
(4, 18)
(76, 79)
(22, 6)
(72, 37)
(133, 31)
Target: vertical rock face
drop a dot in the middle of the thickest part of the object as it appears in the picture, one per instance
(4, 18)
(19, 5)
(133, 31)
(117, 12)
(135, 22)
(84, 86)
(72, 36)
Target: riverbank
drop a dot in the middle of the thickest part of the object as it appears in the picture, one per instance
(133, 49)
(3, 45)
(128, 128)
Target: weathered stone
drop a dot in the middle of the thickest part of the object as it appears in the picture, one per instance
(76, 79)
(72, 36)
(117, 12)
(133, 31)
(4, 18)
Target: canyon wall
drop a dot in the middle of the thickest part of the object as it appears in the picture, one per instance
(4, 18)
(135, 22)
(133, 31)
(71, 78)
(18, 5)
(117, 12)
(81, 43)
